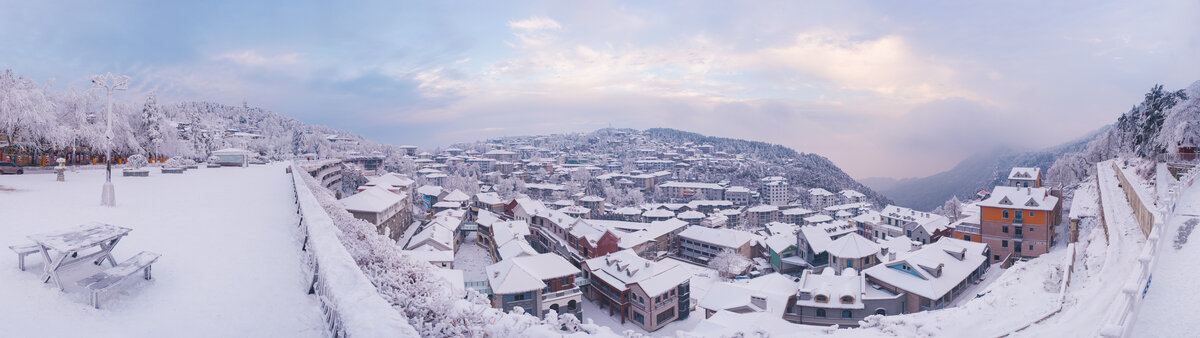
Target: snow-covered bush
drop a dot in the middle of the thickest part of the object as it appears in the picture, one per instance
(136, 161)
(729, 263)
(213, 159)
(174, 162)
(188, 161)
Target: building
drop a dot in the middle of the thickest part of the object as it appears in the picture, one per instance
(537, 283)
(388, 211)
(1025, 177)
(594, 203)
(501, 155)
(844, 299)
(933, 276)
(396, 183)
(1019, 222)
(738, 195)
(852, 251)
(689, 190)
(701, 244)
(774, 190)
(852, 196)
(924, 227)
(649, 294)
(760, 215)
(813, 241)
(820, 198)
(489, 201)
(232, 157)
(795, 215)
(766, 294)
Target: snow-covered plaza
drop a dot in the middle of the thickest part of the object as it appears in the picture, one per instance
(230, 264)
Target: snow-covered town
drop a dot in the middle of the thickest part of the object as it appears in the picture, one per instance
(203, 215)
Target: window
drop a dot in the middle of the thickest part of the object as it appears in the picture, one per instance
(881, 312)
(995, 257)
(1018, 214)
(847, 299)
(1030, 229)
(845, 313)
(849, 263)
(1004, 229)
(821, 313)
(1030, 214)
(822, 299)
(639, 318)
(1031, 247)
(967, 238)
(1004, 243)
(1005, 214)
(665, 316)
(566, 281)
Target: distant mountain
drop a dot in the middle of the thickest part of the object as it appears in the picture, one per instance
(980, 171)
(880, 183)
(804, 170)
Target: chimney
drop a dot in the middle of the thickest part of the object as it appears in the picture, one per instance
(891, 256)
(915, 246)
(884, 251)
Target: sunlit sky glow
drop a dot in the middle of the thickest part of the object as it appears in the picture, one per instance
(895, 89)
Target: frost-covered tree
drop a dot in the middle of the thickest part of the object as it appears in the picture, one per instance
(729, 263)
(952, 209)
(25, 111)
(151, 127)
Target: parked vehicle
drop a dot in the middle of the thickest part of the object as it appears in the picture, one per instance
(10, 168)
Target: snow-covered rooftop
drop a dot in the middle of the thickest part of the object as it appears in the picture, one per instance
(373, 199)
(728, 238)
(934, 269)
(1021, 173)
(852, 246)
(623, 268)
(1021, 198)
(527, 273)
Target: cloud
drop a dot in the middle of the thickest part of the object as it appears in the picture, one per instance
(253, 58)
(534, 31)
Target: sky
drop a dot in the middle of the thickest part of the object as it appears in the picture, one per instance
(884, 89)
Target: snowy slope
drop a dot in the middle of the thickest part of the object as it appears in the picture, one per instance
(229, 265)
(1167, 310)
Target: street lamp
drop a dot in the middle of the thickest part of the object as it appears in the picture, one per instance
(108, 82)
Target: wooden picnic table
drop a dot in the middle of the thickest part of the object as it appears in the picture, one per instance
(67, 243)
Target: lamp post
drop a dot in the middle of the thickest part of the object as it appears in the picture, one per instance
(108, 197)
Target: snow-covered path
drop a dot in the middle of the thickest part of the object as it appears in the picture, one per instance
(1100, 268)
(230, 263)
(1169, 307)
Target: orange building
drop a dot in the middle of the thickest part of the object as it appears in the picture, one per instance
(1019, 222)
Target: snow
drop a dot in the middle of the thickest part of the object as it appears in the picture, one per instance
(526, 273)
(1170, 300)
(727, 238)
(471, 259)
(940, 254)
(372, 199)
(852, 246)
(229, 246)
(1021, 198)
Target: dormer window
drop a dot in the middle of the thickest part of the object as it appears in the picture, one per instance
(822, 299)
(847, 300)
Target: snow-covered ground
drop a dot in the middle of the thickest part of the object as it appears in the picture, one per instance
(230, 262)
(1169, 307)
(472, 258)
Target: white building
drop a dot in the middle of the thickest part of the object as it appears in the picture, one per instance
(820, 198)
(774, 191)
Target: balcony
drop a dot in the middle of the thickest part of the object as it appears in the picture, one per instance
(561, 294)
(1018, 235)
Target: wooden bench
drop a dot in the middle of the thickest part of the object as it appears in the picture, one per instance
(22, 251)
(108, 278)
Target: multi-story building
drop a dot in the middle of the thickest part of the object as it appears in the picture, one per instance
(1025, 177)
(701, 244)
(1019, 222)
(688, 190)
(650, 294)
(842, 299)
(595, 205)
(738, 195)
(920, 226)
(933, 276)
(501, 155)
(820, 198)
(774, 191)
(537, 283)
(760, 215)
(795, 215)
(813, 241)
(389, 212)
(852, 196)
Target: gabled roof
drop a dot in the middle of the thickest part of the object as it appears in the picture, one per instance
(852, 246)
(933, 270)
(373, 199)
(430, 190)
(1023, 173)
(624, 268)
(456, 196)
(490, 198)
(526, 273)
(819, 192)
(781, 242)
(1021, 198)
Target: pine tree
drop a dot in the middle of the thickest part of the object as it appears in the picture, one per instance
(152, 118)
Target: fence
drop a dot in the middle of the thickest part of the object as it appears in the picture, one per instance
(350, 303)
(1140, 200)
(1126, 308)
